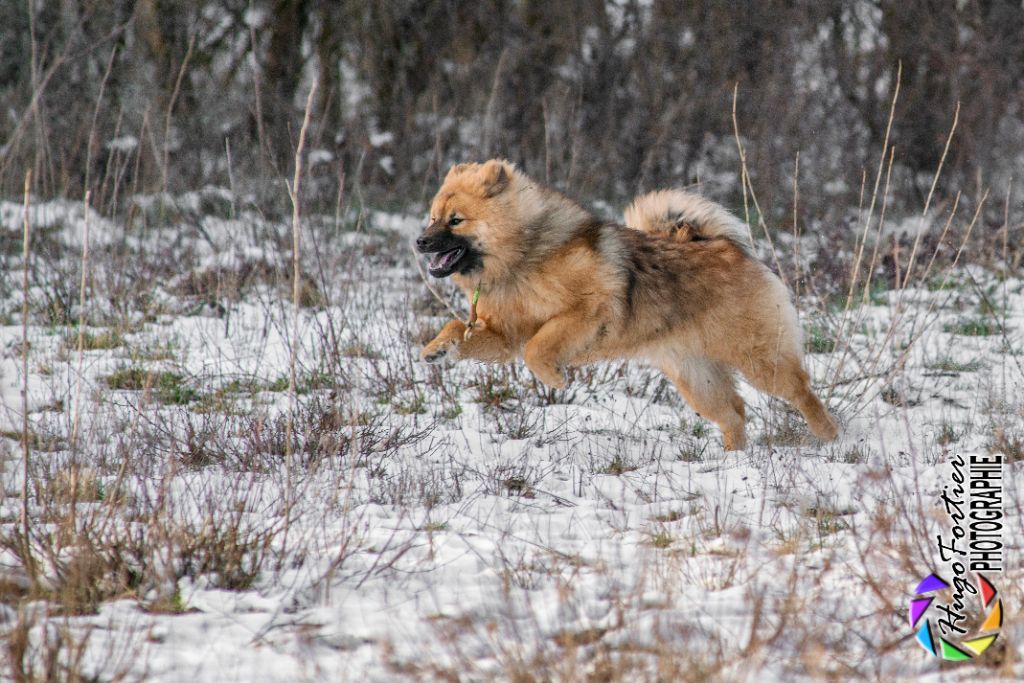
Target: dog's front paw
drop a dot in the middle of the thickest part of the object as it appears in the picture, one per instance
(444, 344)
(436, 352)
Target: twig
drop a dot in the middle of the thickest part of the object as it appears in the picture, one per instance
(928, 201)
(295, 193)
(91, 141)
(862, 240)
(878, 231)
(796, 227)
(1006, 265)
(81, 321)
(258, 94)
(1000, 323)
(33, 61)
(25, 446)
(170, 108)
(855, 271)
(743, 164)
(231, 177)
(748, 185)
(492, 100)
(430, 287)
(915, 334)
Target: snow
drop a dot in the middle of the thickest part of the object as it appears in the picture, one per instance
(124, 143)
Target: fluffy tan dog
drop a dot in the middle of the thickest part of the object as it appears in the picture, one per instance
(558, 287)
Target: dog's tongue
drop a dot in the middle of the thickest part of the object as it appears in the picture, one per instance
(444, 259)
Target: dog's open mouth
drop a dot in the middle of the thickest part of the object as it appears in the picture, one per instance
(444, 262)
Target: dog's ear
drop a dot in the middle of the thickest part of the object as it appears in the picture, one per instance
(495, 176)
(458, 169)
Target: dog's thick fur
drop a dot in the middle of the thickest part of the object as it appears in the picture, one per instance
(560, 288)
(685, 216)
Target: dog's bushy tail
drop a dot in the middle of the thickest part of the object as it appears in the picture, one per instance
(685, 216)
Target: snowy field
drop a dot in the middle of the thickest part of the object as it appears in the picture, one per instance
(461, 522)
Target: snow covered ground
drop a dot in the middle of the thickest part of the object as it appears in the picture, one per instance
(461, 522)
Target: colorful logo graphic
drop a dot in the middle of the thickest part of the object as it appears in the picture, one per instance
(971, 646)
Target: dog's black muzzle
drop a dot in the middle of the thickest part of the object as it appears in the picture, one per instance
(452, 253)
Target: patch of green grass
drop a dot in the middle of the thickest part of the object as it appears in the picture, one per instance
(853, 456)
(829, 521)
(971, 327)
(414, 405)
(314, 381)
(895, 396)
(819, 340)
(168, 387)
(790, 430)
(987, 308)
(1008, 348)
(37, 442)
(878, 294)
(452, 411)
(157, 351)
(1010, 443)
(128, 379)
(235, 397)
(94, 341)
(949, 434)
(673, 516)
(278, 385)
(661, 539)
(247, 385)
(168, 604)
(303, 383)
(219, 402)
(832, 525)
(493, 392)
(948, 364)
(617, 466)
(942, 282)
(517, 485)
(360, 350)
(692, 452)
(700, 429)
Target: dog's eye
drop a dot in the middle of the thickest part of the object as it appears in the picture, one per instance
(454, 220)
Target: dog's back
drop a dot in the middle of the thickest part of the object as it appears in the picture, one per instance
(685, 216)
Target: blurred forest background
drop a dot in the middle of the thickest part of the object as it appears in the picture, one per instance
(601, 98)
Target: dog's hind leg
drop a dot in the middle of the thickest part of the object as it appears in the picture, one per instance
(710, 388)
(786, 378)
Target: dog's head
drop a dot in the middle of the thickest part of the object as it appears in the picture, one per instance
(467, 218)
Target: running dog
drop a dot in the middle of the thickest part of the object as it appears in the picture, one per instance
(557, 287)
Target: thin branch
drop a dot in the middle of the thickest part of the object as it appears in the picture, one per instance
(26, 252)
(295, 193)
(928, 201)
(170, 108)
(81, 322)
